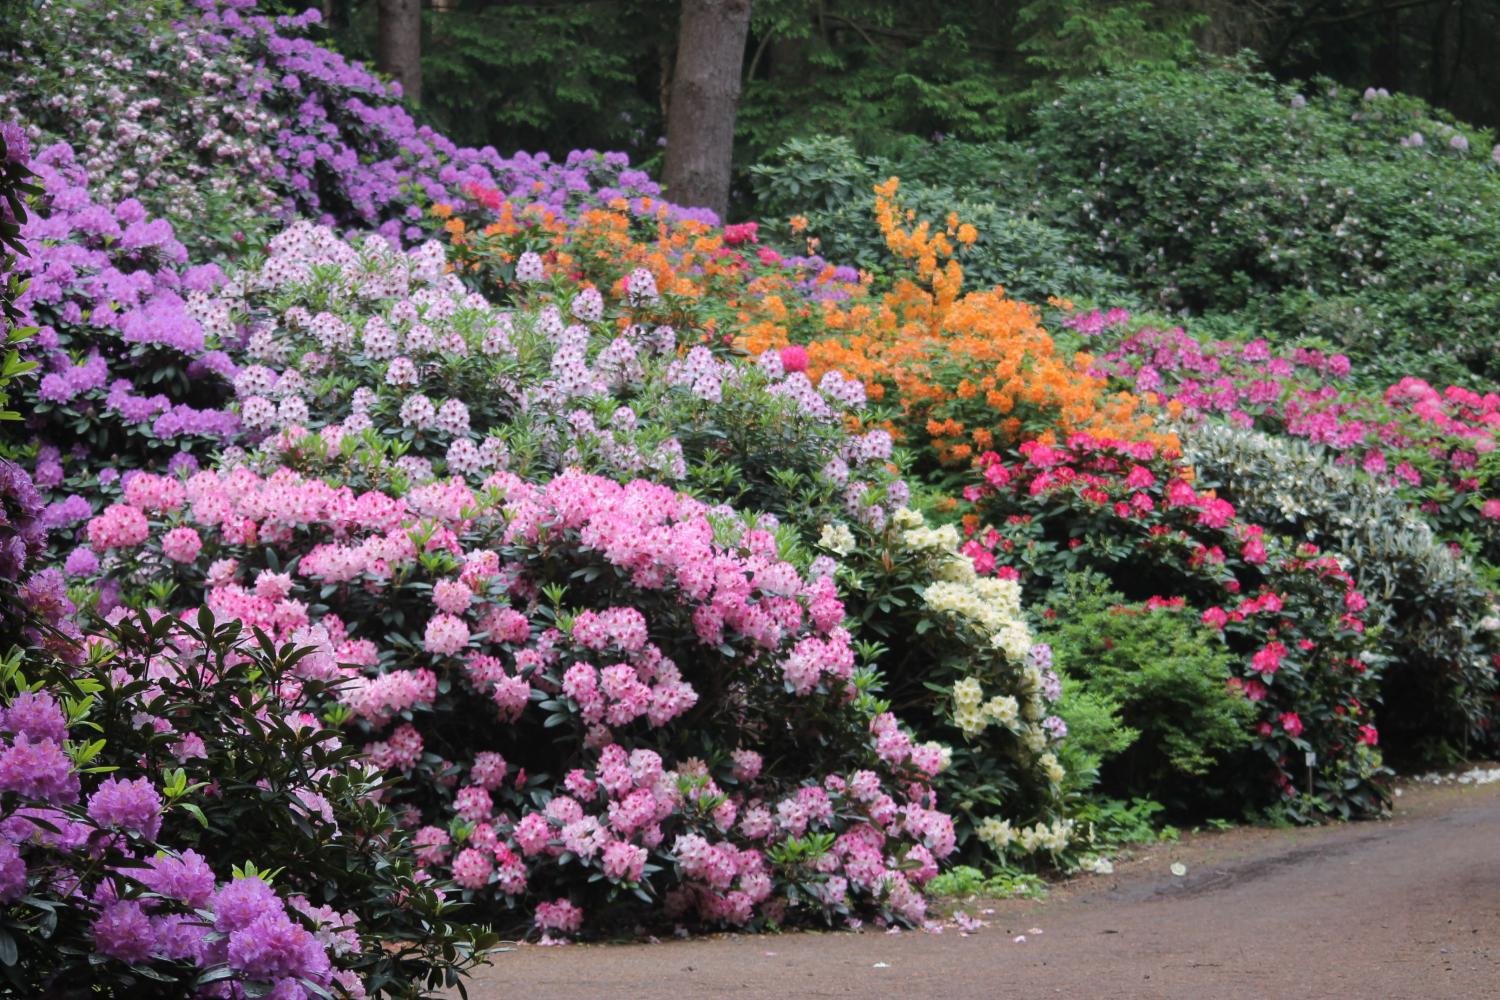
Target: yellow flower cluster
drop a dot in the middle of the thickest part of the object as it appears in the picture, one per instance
(990, 604)
(905, 518)
(996, 833)
(1054, 771)
(968, 707)
(991, 607)
(836, 538)
(1051, 837)
(925, 539)
(999, 835)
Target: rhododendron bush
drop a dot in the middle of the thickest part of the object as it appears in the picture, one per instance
(1432, 610)
(1293, 614)
(943, 629)
(1410, 447)
(132, 369)
(967, 371)
(540, 660)
(140, 777)
(226, 118)
(112, 848)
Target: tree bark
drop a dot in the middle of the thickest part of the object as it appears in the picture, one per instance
(705, 98)
(398, 50)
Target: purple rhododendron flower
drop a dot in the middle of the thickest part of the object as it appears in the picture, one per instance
(127, 805)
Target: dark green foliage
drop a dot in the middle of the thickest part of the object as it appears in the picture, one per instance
(1218, 191)
(991, 185)
(15, 187)
(557, 76)
(548, 76)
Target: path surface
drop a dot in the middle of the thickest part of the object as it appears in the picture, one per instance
(1402, 910)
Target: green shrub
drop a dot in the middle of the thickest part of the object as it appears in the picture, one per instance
(826, 180)
(1218, 191)
(1165, 676)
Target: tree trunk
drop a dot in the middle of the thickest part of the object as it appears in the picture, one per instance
(398, 50)
(705, 97)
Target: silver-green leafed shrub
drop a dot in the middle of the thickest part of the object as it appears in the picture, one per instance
(1439, 627)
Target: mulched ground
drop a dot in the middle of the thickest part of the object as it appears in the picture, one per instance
(1407, 909)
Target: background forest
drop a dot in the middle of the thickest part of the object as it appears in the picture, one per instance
(563, 74)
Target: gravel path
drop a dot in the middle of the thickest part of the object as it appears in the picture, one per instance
(1408, 908)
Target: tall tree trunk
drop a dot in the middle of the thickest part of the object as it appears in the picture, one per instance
(398, 50)
(705, 97)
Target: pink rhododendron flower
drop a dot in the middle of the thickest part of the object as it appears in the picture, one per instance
(1292, 724)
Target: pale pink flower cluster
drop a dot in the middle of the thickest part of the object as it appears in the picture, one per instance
(380, 699)
(559, 915)
(630, 815)
(153, 494)
(120, 526)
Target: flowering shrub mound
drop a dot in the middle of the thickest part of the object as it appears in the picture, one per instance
(1293, 614)
(130, 347)
(968, 371)
(224, 117)
(1436, 613)
(541, 662)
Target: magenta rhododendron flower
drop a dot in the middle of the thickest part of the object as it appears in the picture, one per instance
(1292, 724)
(794, 358)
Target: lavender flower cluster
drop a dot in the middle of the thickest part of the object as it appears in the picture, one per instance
(95, 842)
(229, 117)
(132, 369)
